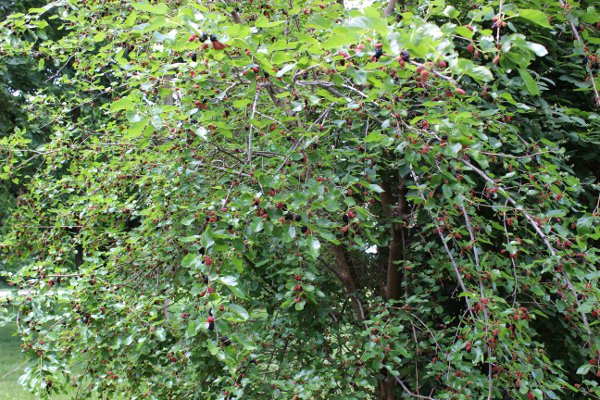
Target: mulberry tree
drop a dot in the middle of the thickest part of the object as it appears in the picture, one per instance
(300, 199)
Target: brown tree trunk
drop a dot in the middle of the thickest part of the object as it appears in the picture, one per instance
(349, 279)
(386, 388)
(394, 207)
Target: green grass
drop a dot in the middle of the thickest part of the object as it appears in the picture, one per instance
(10, 366)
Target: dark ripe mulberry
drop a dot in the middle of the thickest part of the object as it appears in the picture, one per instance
(378, 53)
(298, 218)
(211, 326)
(203, 38)
(213, 38)
(345, 218)
(226, 341)
(304, 229)
(289, 216)
(194, 57)
(405, 55)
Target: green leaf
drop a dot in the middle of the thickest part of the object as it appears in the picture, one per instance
(160, 9)
(189, 260)
(376, 188)
(535, 16)
(189, 239)
(244, 341)
(263, 22)
(368, 24)
(374, 137)
(160, 333)
(187, 221)
(584, 369)
(463, 66)
(237, 292)
(286, 68)
(191, 329)
(314, 246)
(122, 104)
(212, 348)
(330, 237)
(336, 41)
(228, 280)
(530, 83)
(207, 240)
(156, 121)
(451, 12)
(98, 37)
(241, 103)
(291, 232)
(239, 310)
(537, 48)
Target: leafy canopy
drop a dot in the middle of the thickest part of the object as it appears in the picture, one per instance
(272, 199)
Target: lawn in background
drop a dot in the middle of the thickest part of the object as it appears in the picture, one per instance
(10, 366)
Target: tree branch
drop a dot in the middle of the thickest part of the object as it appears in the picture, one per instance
(249, 149)
(390, 8)
(409, 392)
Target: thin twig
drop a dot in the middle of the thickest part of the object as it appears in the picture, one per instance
(564, 6)
(249, 150)
(448, 252)
(409, 392)
(482, 293)
(542, 236)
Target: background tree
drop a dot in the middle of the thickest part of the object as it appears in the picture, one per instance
(23, 72)
(293, 199)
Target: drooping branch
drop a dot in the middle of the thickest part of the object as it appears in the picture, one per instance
(577, 37)
(544, 239)
(482, 293)
(448, 252)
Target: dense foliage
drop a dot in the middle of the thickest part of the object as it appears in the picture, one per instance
(22, 73)
(291, 199)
